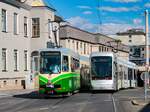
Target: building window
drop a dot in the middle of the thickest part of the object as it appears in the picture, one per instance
(68, 41)
(49, 28)
(143, 55)
(107, 49)
(16, 82)
(16, 60)
(15, 23)
(5, 83)
(4, 20)
(4, 61)
(142, 49)
(77, 45)
(130, 49)
(130, 40)
(99, 48)
(26, 59)
(25, 26)
(84, 48)
(81, 47)
(35, 27)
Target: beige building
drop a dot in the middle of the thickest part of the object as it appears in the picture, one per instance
(44, 28)
(85, 42)
(135, 39)
(14, 45)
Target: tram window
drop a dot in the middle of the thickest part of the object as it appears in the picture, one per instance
(74, 64)
(130, 74)
(65, 64)
(50, 63)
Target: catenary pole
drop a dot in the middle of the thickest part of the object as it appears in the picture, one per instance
(146, 81)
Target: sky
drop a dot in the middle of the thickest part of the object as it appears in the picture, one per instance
(104, 16)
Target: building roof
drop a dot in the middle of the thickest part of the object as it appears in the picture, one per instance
(42, 3)
(17, 4)
(70, 32)
(132, 32)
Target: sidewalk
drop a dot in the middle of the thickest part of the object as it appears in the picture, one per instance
(9, 93)
(139, 104)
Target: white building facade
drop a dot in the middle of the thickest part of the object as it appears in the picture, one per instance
(14, 45)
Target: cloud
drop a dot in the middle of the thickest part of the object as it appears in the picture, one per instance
(87, 12)
(81, 23)
(84, 7)
(137, 21)
(147, 5)
(105, 28)
(123, 1)
(118, 9)
(113, 28)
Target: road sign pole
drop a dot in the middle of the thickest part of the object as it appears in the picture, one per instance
(147, 54)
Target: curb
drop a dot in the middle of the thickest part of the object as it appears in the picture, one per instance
(135, 102)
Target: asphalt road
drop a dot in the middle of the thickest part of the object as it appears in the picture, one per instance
(80, 102)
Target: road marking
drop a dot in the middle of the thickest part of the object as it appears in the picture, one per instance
(107, 100)
(54, 107)
(114, 104)
(44, 108)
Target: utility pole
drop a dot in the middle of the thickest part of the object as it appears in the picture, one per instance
(146, 77)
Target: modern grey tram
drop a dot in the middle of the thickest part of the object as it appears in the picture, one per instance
(108, 72)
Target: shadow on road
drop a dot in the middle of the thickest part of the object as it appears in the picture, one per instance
(36, 95)
(97, 91)
(103, 91)
(145, 108)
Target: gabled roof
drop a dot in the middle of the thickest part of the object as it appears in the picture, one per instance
(42, 3)
(17, 4)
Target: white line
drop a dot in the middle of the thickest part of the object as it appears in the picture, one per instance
(114, 104)
(44, 108)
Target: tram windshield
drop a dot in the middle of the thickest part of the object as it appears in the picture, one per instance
(101, 67)
(50, 63)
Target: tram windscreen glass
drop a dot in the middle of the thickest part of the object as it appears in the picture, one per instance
(50, 62)
(101, 67)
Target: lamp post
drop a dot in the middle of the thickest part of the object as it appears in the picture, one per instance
(55, 26)
(146, 78)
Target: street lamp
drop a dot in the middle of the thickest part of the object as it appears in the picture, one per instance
(55, 25)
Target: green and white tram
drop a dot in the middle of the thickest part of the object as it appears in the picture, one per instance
(59, 71)
(108, 72)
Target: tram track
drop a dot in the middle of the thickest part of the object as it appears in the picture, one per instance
(114, 103)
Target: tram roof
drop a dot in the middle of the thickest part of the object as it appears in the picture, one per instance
(84, 58)
(102, 54)
(64, 51)
(126, 63)
(119, 60)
